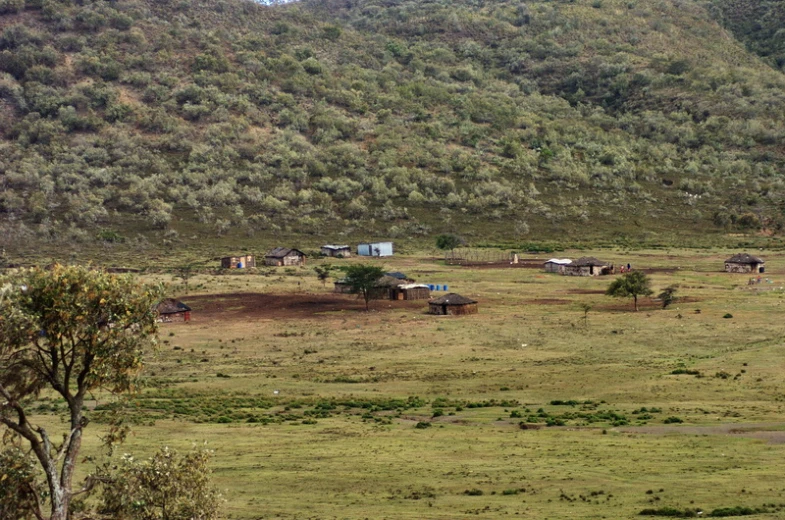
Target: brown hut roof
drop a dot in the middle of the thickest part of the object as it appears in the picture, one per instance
(281, 252)
(452, 299)
(587, 261)
(172, 306)
(744, 258)
(388, 281)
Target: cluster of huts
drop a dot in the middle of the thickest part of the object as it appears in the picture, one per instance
(398, 286)
(590, 266)
(287, 257)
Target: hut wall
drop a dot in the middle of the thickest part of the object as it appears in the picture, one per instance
(343, 253)
(574, 270)
(454, 310)
(293, 260)
(738, 268)
(233, 262)
(416, 293)
(175, 317)
(342, 288)
(459, 310)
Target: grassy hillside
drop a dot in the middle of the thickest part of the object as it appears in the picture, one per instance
(135, 120)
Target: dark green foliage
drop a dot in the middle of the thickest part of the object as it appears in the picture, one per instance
(667, 296)
(361, 279)
(632, 284)
(449, 241)
(398, 117)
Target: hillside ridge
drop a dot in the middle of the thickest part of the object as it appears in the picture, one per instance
(587, 119)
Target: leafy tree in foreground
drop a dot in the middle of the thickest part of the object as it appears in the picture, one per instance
(164, 487)
(632, 284)
(361, 279)
(72, 330)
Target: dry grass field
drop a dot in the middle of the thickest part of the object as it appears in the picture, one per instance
(531, 408)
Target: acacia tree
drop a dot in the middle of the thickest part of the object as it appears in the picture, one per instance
(632, 284)
(73, 330)
(362, 278)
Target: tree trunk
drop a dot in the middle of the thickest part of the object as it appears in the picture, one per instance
(635, 299)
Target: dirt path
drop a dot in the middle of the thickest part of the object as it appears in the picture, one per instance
(773, 433)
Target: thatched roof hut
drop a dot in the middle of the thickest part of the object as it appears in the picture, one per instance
(587, 266)
(744, 263)
(170, 310)
(452, 303)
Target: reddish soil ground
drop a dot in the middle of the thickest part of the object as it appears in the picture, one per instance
(251, 306)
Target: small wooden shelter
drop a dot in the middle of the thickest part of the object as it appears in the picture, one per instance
(410, 291)
(452, 303)
(744, 263)
(171, 310)
(556, 265)
(284, 256)
(384, 287)
(336, 251)
(238, 262)
(587, 266)
(341, 287)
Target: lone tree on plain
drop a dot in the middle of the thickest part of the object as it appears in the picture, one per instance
(72, 330)
(632, 284)
(362, 278)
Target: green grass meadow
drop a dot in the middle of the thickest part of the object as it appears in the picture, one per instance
(398, 414)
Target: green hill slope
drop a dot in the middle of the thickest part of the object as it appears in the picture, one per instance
(574, 120)
(760, 24)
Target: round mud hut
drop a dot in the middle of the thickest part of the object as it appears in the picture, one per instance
(452, 303)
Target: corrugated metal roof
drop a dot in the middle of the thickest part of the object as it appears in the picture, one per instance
(560, 261)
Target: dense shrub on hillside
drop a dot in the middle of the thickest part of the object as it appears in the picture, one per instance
(311, 113)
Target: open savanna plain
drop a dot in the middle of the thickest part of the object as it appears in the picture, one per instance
(532, 408)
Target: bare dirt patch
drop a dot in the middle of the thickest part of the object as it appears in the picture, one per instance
(773, 433)
(586, 291)
(523, 264)
(547, 301)
(252, 306)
